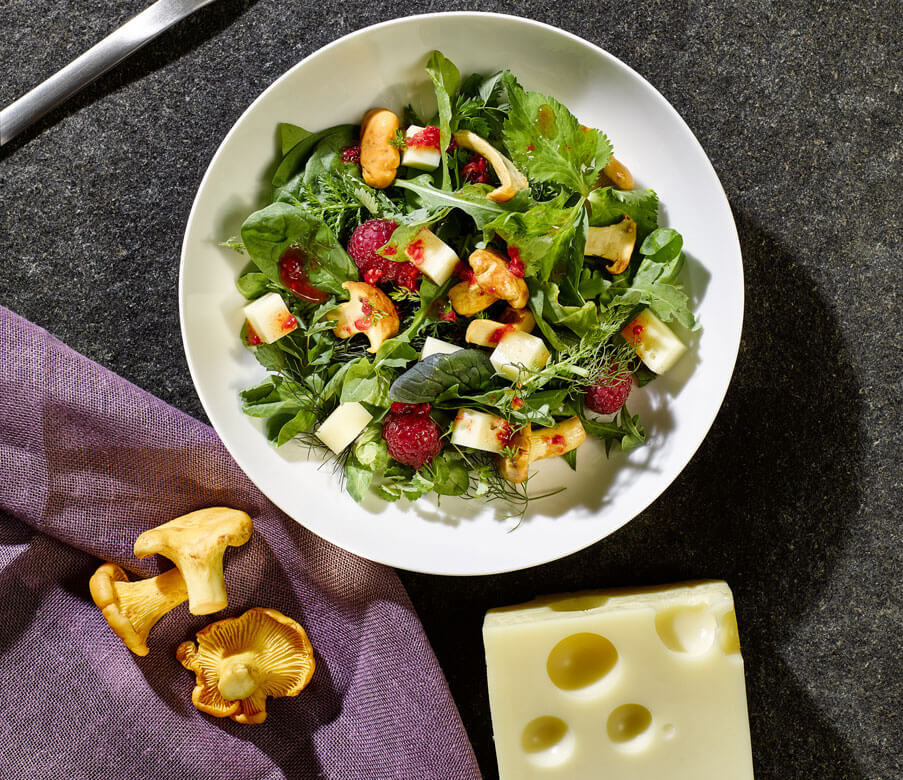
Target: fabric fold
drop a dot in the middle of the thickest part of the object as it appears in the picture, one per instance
(89, 461)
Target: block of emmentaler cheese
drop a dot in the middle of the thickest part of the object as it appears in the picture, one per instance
(643, 684)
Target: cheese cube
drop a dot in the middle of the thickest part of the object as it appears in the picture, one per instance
(343, 426)
(480, 431)
(518, 349)
(425, 158)
(270, 318)
(432, 256)
(437, 347)
(655, 343)
(645, 684)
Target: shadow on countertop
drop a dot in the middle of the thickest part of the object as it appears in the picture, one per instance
(179, 40)
(764, 505)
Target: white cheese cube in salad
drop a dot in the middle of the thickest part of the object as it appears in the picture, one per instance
(343, 426)
(434, 346)
(432, 256)
(480, 431)
(519, 349)
(655, 343)
(424, 158)
(270, 318)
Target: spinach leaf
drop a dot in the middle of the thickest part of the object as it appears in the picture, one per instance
(468, 369)
(290, 136)
(252, 284)
(446, 79)
(294, 159)
(327, 156)
(546, 141)
(663, 247)
(269, 232)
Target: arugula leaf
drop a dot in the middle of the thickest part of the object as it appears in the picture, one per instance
(466, 369)
(470, 199)
(546, 236)
(546, 141)
(267, 233)
(608, 205)
(446, 79)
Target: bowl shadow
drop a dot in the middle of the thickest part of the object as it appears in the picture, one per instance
(765, 504)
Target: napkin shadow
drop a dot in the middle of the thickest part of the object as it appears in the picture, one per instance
(29, 577)
(767, 503)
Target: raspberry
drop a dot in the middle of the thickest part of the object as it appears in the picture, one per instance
(351, 154)
(365, 240)
(609, 393)
(411, 435)
(476, 171)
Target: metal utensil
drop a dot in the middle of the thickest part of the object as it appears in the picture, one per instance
(97, 60)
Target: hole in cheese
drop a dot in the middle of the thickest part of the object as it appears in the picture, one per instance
(543, 733)
(687, 629)
(628, 722)
(580, 660)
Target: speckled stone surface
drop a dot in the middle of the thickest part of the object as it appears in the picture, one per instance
(794, 497)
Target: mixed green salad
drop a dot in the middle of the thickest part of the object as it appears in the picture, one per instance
(443, 300)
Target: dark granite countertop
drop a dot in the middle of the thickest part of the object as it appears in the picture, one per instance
(794, 497)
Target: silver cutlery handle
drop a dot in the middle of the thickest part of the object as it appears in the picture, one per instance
(97, 60)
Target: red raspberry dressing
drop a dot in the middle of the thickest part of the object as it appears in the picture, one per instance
(293, 272)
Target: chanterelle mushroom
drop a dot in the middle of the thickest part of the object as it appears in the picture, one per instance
(491, 273)
(529, 445)
(369, 311)
(240, 661)
(614, 243)
(196, 543)
(511, 179)
(133, 608)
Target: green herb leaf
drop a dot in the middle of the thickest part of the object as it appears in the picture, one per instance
(470, 369)
(608, 205)
(547, 237)
(546, 141)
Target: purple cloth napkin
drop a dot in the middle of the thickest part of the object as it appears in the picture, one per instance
(89, 461)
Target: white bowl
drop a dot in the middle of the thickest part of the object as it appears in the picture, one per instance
(383, 65)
